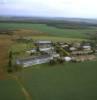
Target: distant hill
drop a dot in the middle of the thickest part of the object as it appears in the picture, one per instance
(58, 22)
(43, 19)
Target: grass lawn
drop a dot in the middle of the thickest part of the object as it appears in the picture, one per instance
(70, 81)
(19, 47)
(10, 90)
(68, 33)
(55, 38)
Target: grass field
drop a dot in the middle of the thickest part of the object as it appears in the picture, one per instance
(67, 33)
(10, 90)
(57, 39)
(71, 81)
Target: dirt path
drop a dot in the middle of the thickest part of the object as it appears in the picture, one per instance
(25, 92)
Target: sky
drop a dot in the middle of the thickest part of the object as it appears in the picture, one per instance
(49, 8)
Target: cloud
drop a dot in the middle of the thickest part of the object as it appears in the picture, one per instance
(65, 8)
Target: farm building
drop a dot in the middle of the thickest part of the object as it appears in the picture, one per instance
(55, 55)
(34, 60)
(43, 44)
(31, 51)
(67, 59)
(40, 43)
(86, 47)
(64, 45)
(48, 50)
(81, 52)
(72, 48)
(76, 45)
(84, 58)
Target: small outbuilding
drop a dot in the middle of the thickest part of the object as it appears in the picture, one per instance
(72, 48)
(31, 51)
(86, 47)
(67, 59)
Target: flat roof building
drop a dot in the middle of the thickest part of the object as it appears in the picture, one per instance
(34, 60)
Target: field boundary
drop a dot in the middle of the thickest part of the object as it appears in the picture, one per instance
(23, 89)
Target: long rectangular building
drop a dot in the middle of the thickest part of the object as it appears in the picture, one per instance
(34, 60)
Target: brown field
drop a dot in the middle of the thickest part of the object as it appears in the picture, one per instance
(5, 42)
(27, 32)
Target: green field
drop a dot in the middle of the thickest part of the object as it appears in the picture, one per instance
(67, 33)
(56, 39)
(10, 90)
(71, 81)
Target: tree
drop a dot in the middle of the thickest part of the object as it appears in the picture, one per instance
(10, 66)
(10, 55)
(10, 63)
(61, 61)
(37, 48)
(10, 69)
(52, 62)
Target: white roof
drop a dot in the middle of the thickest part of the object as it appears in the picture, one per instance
(43, 42)
(86, 47)
(67, 58)
(46, 49)
(56, 55)
(31, 51)
(65, 45)
(30, 59)
(72, 48)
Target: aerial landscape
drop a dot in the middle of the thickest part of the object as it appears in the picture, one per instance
(47, 56)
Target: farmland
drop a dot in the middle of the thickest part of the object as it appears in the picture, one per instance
(70, 81)
(10, 90)
(5, 43)
(52, 31)
(57, 39)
